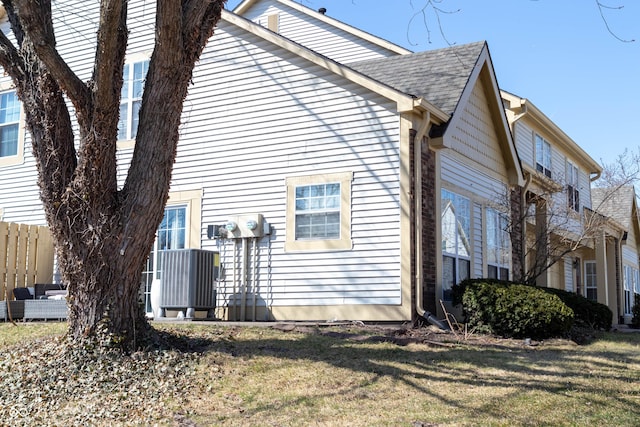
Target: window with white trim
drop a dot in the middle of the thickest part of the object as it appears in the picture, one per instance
(319, 212)
(543, 156)
(134, 75)
(573, 193)
(498, 245)
(590, 280)
(9, 124)
(630, 277)
(456, 241)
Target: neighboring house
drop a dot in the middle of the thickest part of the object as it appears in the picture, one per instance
(557, 191)
(621, 205)
(574, 237)
(347, 179)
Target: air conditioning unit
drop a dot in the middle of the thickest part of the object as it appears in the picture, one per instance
(188, 280)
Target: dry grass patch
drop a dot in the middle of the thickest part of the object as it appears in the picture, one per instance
(322, 378)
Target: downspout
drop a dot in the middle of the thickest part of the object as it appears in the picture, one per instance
(523, 236)
(425, 126)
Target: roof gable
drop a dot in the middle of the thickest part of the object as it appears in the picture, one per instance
(251, 9)
(447, 78)
(618, 203)
(439, 76)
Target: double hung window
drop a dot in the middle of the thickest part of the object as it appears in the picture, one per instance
(590, 280)
(319, 212)
(573, 194)
(134, 75)
(456, 241)
(543, 156)
(9, 124)
(498, 245)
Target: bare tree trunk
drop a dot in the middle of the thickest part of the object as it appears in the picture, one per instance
(103, 235)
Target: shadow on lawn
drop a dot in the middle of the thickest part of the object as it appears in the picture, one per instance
(591, 375)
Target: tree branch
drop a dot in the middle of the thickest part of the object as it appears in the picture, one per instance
(601, 8)
(10, 59)
(111, 41)
(199, 15)
(38, 26)
(16, 26)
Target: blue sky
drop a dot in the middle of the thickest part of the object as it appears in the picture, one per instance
(558, 54)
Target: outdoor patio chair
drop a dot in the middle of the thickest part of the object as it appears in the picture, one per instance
(21, 294)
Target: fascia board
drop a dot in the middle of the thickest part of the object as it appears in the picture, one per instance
(560, 136)
(247, 4)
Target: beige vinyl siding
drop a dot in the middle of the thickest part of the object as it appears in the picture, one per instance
(584, 185)
(525, 144)
(632, 237)
(630, 255)
(477, 269)
(475, 137)
(319, 36)
(271, 115)
(467, 179)
(569, 286)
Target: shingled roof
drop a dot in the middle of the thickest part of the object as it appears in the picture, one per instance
(439, 76)
(615, 203)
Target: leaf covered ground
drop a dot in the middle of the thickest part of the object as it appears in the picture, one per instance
(293, 374)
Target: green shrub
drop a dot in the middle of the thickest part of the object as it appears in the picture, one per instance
(635, 320)
(587, 313)
(512, 310)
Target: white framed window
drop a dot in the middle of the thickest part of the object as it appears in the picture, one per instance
(456, 240)
(573, 193)
(319, 212)
(9, 124)
(630, 277)
(498, 245)
(590, 280)
(543, 156)
(134, 75)
(11, 128)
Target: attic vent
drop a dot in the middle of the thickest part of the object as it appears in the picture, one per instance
(273, 22)
(322, 10)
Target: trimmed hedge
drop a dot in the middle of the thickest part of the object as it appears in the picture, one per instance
(635, 320)
(513, 310)
(587, 313)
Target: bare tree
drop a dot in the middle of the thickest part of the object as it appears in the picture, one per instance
(103, 235)
(556, 225)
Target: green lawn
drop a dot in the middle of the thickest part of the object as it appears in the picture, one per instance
(351, 377)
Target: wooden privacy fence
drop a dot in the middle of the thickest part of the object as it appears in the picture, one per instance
(26, 257)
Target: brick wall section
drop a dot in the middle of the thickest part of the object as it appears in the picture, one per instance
(429, 226)
(517, 233)
(412, 221)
